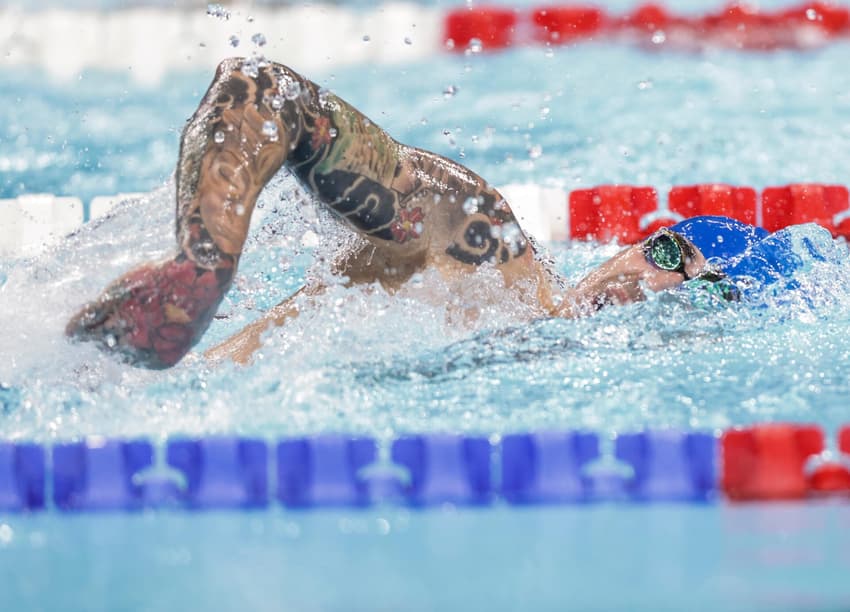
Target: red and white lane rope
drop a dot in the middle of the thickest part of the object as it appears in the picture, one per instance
(148, 43)
(605, 213)
(737, 26)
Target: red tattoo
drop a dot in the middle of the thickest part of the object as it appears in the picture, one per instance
(155, 313)
(321, 133)
(407, 224)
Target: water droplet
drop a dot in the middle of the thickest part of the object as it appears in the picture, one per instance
(323, 96)
(450, 44)
(495, 231)
(423, 121)
(535, 151)
(407, 40)
(6, 534)
(449, 91)
(250, 67)
(258, 39)
(218, 11)
(544, 111)
(417, 280)
(270, 130)
(277, 103)
(239, 209)
(470, 205)
(549, 52)
(218, 137)
(332, 132)
(658, 37)
(644, 85)
(475, 46)
(811, 14)
(234, 41)
(366, 38)
(291, 90)
(111, 341)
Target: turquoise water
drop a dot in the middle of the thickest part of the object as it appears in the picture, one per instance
(648, 558)
(381, 365)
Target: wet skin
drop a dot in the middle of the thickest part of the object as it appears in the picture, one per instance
(415, 209)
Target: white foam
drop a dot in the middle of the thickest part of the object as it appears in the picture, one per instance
(29, 223)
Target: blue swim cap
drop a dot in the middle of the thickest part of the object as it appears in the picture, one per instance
(748, 252)
(720, 237)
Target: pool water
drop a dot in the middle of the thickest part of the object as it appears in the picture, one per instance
(382, 365)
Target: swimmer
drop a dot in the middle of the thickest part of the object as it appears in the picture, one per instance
(415, 209)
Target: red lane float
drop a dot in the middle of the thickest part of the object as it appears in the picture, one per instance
(611, 212)
(564, 24)
(833, 477)
(829, 479)
(803, 203)
(621, 212)
(492, 26)
(767, 462)
(738, 26)
(714, 199)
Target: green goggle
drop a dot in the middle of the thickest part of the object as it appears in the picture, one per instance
(668, 251)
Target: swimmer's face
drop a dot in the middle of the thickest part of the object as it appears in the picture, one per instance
(625, 277)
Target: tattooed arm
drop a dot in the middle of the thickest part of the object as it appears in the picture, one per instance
(229, 149)
(415, 208)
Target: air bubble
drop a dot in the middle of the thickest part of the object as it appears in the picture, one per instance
(475, 46)
(291, 90)
(366, 38)
(218, 137)
(259, 39)
(535, 151)
(270, 130)
(111, 341)
(332, 132)
(218, 11)
(277, 103)
(250, 67)
(407, 40)
(450, 91)
(470, 205)
(658, 37)
(234, 41)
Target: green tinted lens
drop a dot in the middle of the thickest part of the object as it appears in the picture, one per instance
(666, 252)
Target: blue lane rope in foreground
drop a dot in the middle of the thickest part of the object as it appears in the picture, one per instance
(336, 470)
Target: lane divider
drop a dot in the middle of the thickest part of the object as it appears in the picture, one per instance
(736, 26)
(776, 461)
(625, 213)
(147, 43)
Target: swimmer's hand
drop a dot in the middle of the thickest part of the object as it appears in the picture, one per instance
(155, 313)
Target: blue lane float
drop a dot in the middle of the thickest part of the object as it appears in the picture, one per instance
(444, 469)
(221, 472)
(22, 477)
(98, 474)
(669, 465)
(324, 471)
(339, 470)
(547, 467)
